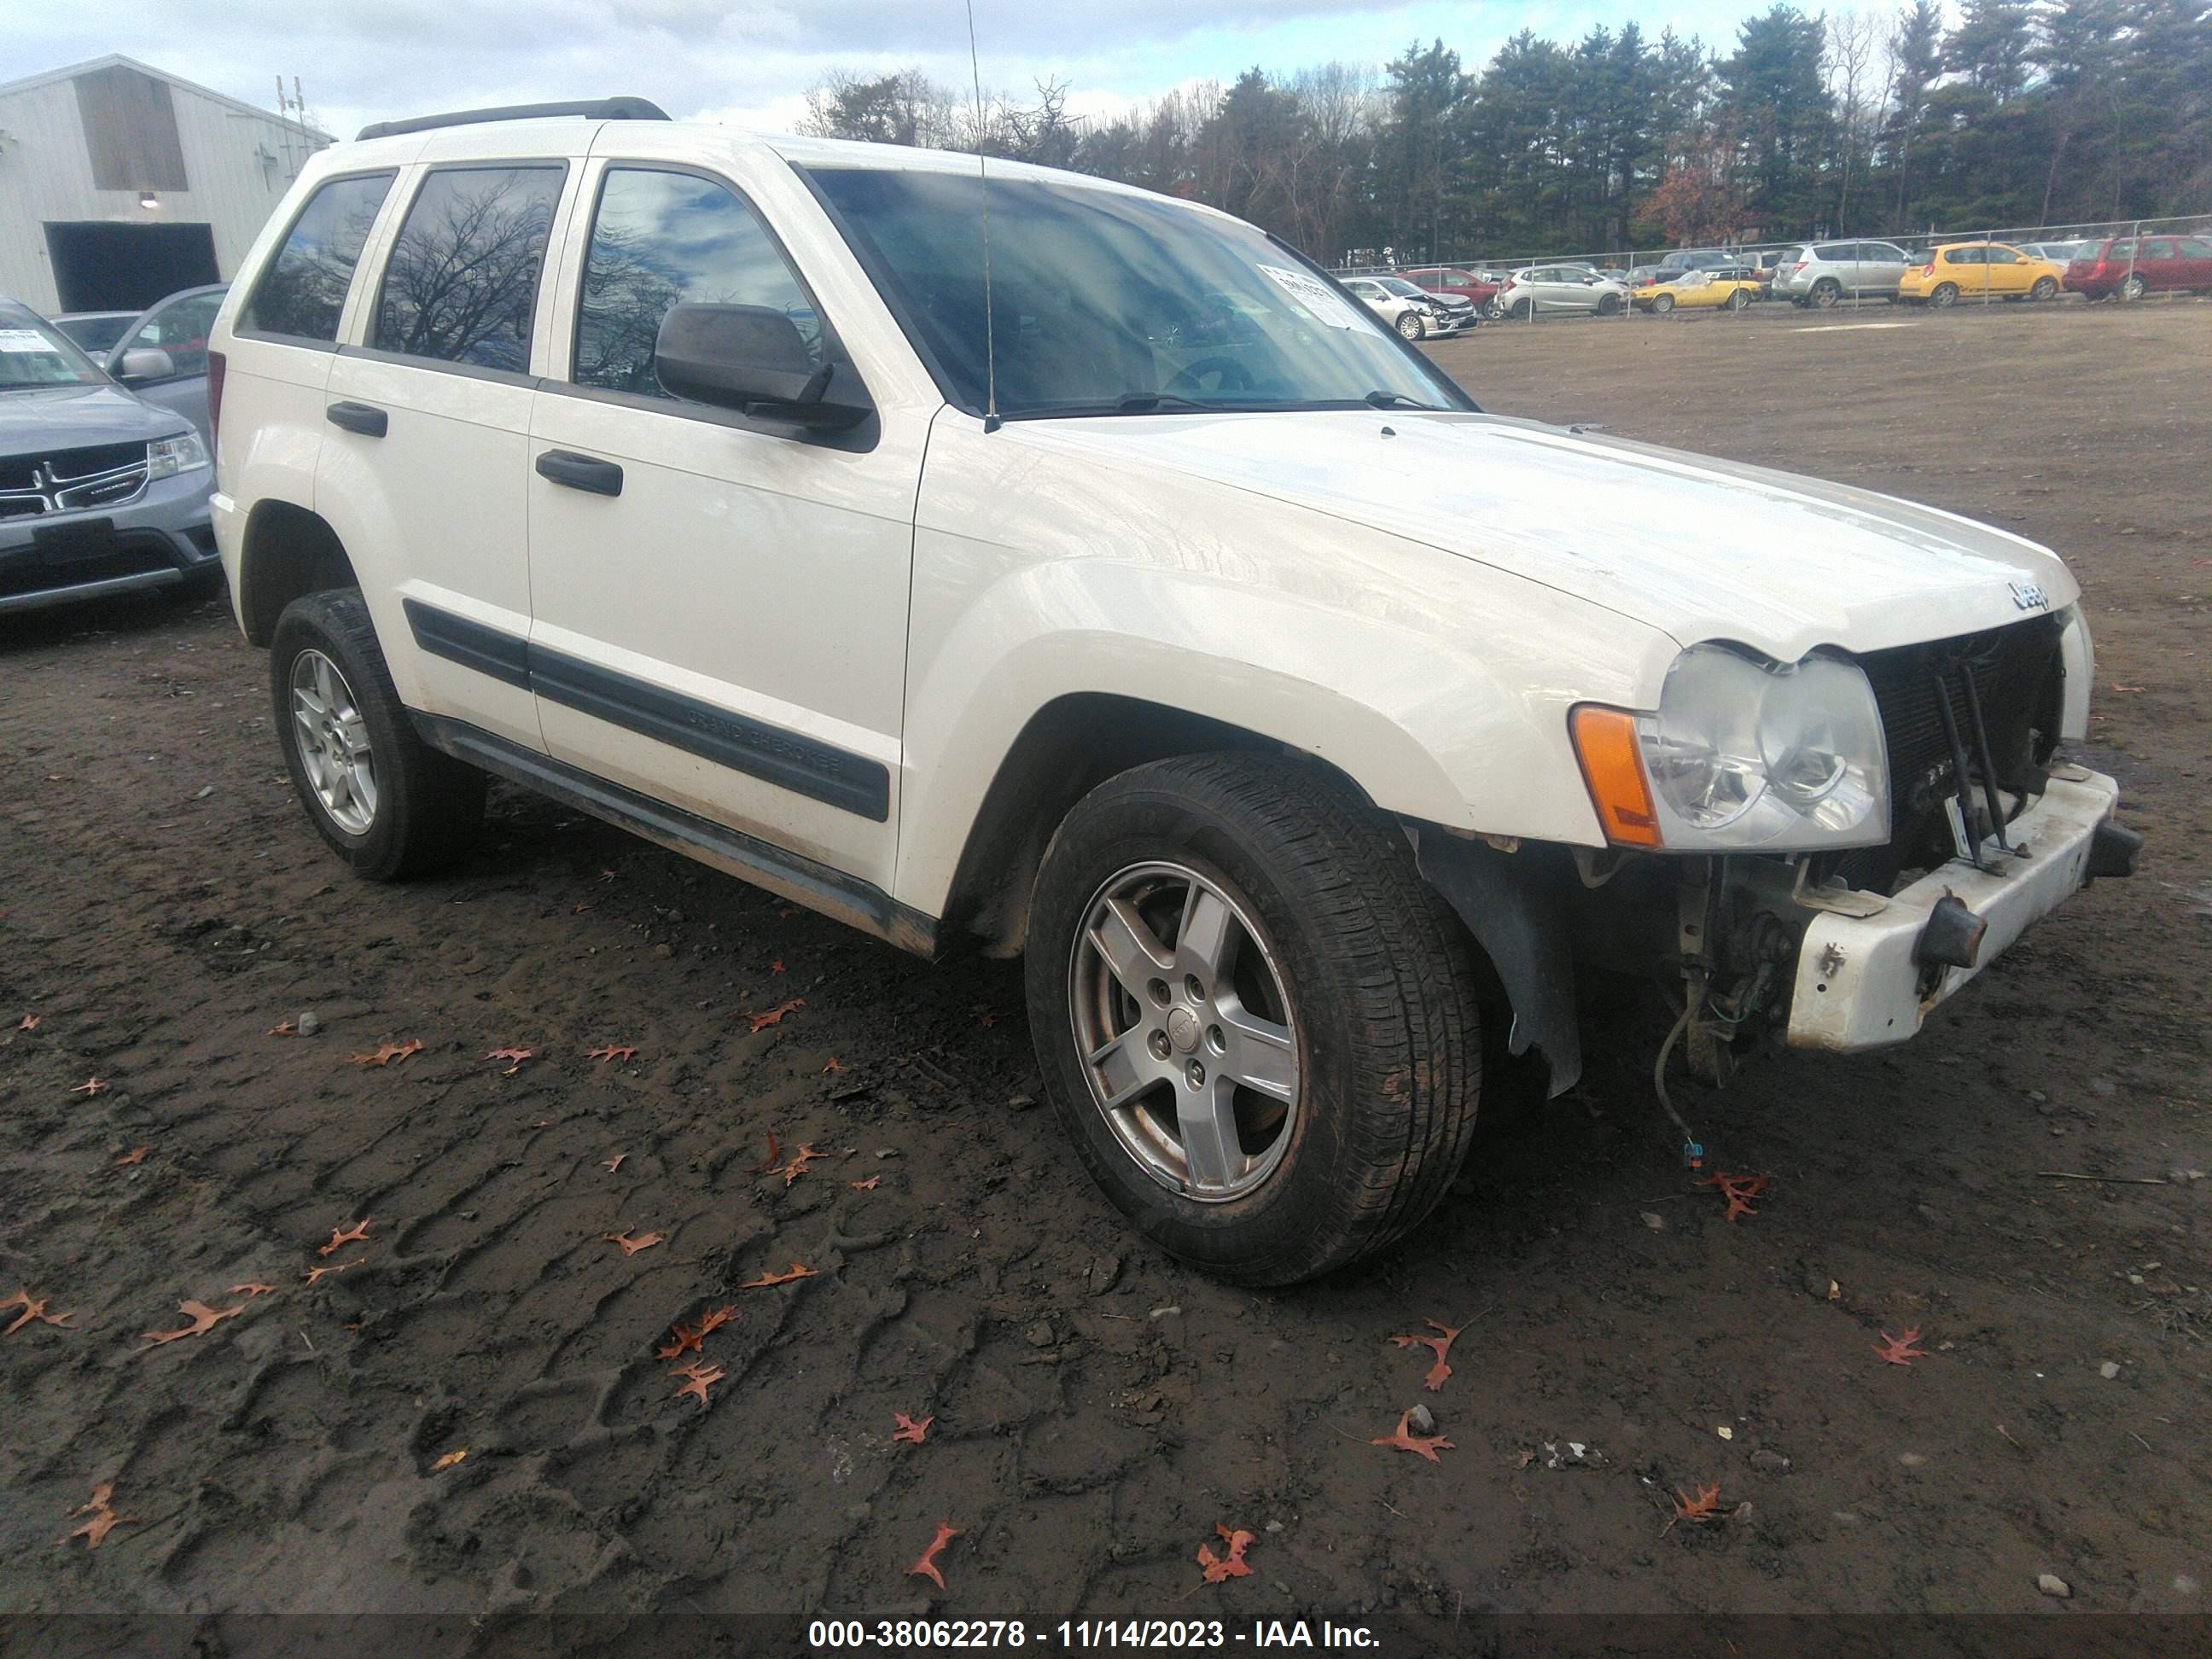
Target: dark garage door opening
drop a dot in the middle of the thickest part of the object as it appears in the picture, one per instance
(109, 267)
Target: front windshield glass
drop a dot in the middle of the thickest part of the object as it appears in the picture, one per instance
(1106, 302)
(1399, 285)
(33, 352)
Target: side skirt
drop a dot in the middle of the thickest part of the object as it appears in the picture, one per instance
(857, 903)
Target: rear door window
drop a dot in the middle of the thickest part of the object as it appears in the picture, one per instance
(304, 290)
(461, 286)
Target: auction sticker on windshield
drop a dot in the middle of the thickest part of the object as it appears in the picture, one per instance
(1315, 298)
(23, 339)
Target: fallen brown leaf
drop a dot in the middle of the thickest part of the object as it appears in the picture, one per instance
(611, 1164)
(799, 1160)
(774, 1016)
(775, 1156)
(714, 1318)
(682, 1340)
(1441, 1346)
(834, 1065)
(1426, 1447)
(1705, 1506)
(613, 1051)
(315, 1273)
(1738, 1189)
(34, 1308)
(798, 1271)
(31, 1022)
(91, 1085)
(286, 1029)
(867, 1186)
(386, 1053)
(250, 1290)
(135, 1155)
(104, 1520)
(514, 1057)
(909, 1430)
(449, 1459)
(204, 1319)
(1220, 1568)
(777, 967)
(702, 1376)
(630, 1246)
(1899, 1350)
(926, 1567)
(356, 1234)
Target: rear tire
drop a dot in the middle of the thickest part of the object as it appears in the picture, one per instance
(1826, 293)
(2133, 289)
(1945, 295)
(388, 804)
(1662, 304)
(1357, 969)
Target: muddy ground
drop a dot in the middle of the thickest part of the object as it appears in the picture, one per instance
(1097, 1410)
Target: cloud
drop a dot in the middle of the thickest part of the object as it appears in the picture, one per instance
(365, 60)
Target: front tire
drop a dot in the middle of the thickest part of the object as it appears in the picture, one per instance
(1411, 327)
(2044, 289)
(388, 804)
(1740, 301)
(1258, 1024)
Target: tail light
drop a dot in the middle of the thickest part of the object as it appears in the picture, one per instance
(1794, 267)
(1928, 269)
(215, 366)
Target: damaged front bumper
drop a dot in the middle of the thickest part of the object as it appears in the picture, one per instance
(1869, 968)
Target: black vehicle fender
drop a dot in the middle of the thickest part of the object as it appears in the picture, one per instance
(1518, 918)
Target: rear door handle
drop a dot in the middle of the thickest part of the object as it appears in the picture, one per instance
(363, 418)
(585, 472)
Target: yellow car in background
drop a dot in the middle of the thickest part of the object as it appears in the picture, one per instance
(1696, 290)
(1975, 271)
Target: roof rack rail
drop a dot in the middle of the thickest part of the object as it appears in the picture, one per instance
(592, 109)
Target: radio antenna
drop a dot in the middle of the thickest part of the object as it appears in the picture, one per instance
(983, 176)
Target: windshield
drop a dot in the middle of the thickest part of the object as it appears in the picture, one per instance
(33, 352)
(1399, 285)
(1107, 301)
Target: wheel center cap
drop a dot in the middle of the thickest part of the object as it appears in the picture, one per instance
(1182, 1030)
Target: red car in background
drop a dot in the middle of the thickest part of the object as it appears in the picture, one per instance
(2161, 263)
(1456, 279)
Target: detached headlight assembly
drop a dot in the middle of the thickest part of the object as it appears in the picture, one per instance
(1742, 756)
(166, 457)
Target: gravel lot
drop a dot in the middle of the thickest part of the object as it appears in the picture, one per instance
(1097, 1410)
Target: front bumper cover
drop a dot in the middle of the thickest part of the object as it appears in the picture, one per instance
(1860, 983)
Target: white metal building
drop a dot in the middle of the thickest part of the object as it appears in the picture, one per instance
(119, 184)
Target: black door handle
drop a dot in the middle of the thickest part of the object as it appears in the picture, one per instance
(586, 473)
(368, 421)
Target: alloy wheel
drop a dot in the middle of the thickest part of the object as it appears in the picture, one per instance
(333, 743)
(1187, 1031)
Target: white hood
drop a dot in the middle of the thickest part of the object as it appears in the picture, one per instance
(1700, 548)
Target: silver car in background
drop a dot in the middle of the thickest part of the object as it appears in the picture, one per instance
(1557, 290)
(1819, 274)
(100, 492)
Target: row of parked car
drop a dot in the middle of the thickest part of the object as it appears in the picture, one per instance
(1814, 275)
(104, 451)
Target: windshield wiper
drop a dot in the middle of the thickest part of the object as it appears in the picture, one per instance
(1395, 400)
(1144, 403)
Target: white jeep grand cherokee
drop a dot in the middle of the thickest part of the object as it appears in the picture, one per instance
(1131, 599)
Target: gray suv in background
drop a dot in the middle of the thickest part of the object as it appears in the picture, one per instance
(100, 492)
(1819, 274)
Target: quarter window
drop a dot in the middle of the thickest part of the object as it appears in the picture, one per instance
(461, 285)
(304, 290)
(663, 239)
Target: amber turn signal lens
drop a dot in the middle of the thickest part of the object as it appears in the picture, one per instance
(1605, 743)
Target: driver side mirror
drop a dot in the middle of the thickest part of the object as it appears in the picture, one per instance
(753, 359)
(145, 363)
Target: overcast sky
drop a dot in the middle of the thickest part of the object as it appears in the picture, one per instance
(365, 60)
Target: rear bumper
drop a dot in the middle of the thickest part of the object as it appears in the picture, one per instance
(161, 539)
(1860, 981)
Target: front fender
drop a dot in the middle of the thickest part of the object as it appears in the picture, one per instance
(1440, 686)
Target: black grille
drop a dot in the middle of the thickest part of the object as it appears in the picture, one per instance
(16, 471)
(2016, 674)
